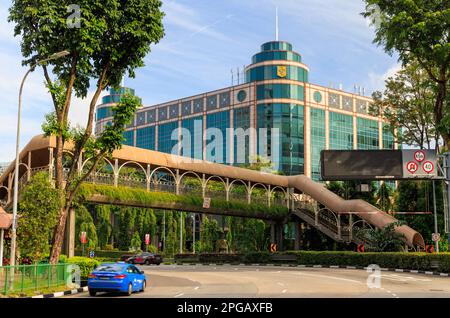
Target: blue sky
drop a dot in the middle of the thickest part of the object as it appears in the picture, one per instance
(204, 40)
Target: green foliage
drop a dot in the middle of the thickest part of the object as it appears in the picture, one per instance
(38, 209)
(144, 197)
(104, 227)
(86, 265)
(407, 103)
(136, 242)
(85, 223)
(209, 234)
(384, 197)
(382, 240)
(417, 31)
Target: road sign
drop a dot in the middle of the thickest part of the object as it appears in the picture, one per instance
(428, 167)
(91, 254)
(360, 248)
(83, 238)
(273, 247)
(147, 239)
(412, 167)
(429, 248)
(436, 237)
(206, 203)
(419, 155)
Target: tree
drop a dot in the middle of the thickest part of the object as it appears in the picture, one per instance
(114, 37)
(384, 197)
(38, 207)
(104, 227)
(417, 30)
(383, 240)
(136, 242)
(407, 104)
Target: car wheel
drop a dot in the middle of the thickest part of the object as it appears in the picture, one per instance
(144, 284)
(130, 290)
(92, 293)
(158, 264)
(147, 262)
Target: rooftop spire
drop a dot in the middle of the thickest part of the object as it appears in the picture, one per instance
(276, 24)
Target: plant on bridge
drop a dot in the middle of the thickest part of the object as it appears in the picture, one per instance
(105, 40)
(136, 242)
(38, 208)
(382, 240)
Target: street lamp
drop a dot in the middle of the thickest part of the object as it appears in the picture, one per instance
(16, 174)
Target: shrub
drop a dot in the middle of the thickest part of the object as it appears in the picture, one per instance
(86, 265)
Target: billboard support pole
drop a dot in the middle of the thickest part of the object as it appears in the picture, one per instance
(435, 215)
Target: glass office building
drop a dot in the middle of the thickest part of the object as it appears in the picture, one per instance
(277, 113)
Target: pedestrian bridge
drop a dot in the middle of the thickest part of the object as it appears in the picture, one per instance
(247, 193)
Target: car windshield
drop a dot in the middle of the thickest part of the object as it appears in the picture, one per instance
(109, 268)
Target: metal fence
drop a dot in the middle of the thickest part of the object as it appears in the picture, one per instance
(20, 278)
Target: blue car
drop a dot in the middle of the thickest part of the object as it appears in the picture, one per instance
(116, 277)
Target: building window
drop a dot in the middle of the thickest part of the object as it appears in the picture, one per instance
(198, 105)
(367, 134)
(165, 142)
(241, 96)
(225, 99)
(104, 112)
(287, 151)
(341, 131)
(162, 113)
(211, 102)
(273, 91)
(241, 124)
(317, 141)
(174, 110)
(221, 121)
(129, 138)
(268, 72)
(140, 118)
(334, 100)
(145, 138)
(388, 137)
(186, 108)
(195, 128)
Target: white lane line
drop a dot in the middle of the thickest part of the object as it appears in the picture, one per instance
(197, 287)
(179, 295)
(331, 277)
(284, 291)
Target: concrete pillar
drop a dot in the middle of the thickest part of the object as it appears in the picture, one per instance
(298, 231)
(69, 239)
(29, 166)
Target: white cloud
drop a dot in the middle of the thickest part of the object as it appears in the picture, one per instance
(79, 109)
(377, 80)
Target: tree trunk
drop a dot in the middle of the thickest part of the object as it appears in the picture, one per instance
(58, 236)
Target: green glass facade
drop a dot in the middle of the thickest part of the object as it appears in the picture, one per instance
(388, 137)
(165, 142)
(368, 137)
(145, 138)
(318, 135)
(272, 91)
(288, 119)
(220, 121)
(268, 72)
(341, 131)
(195, 128)
(241, 124)
(129, 138)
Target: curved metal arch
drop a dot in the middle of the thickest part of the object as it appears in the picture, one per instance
(278, 187)
(137, 163)
(105, 159)
(20, 164)
(218, 177)
(190, 173)
(162, 168)
(327, 209)
(362, 221)
(6, 188)
(238, 180)
(253, 186)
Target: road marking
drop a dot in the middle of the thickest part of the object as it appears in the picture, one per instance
(179, 295)
(280, 284)
(331, 277)
(284, 291)
(197, 287)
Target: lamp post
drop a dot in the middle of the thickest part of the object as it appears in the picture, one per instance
(193, 233)
(16, 171)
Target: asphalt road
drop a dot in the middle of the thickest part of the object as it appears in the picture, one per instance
(273, 281)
